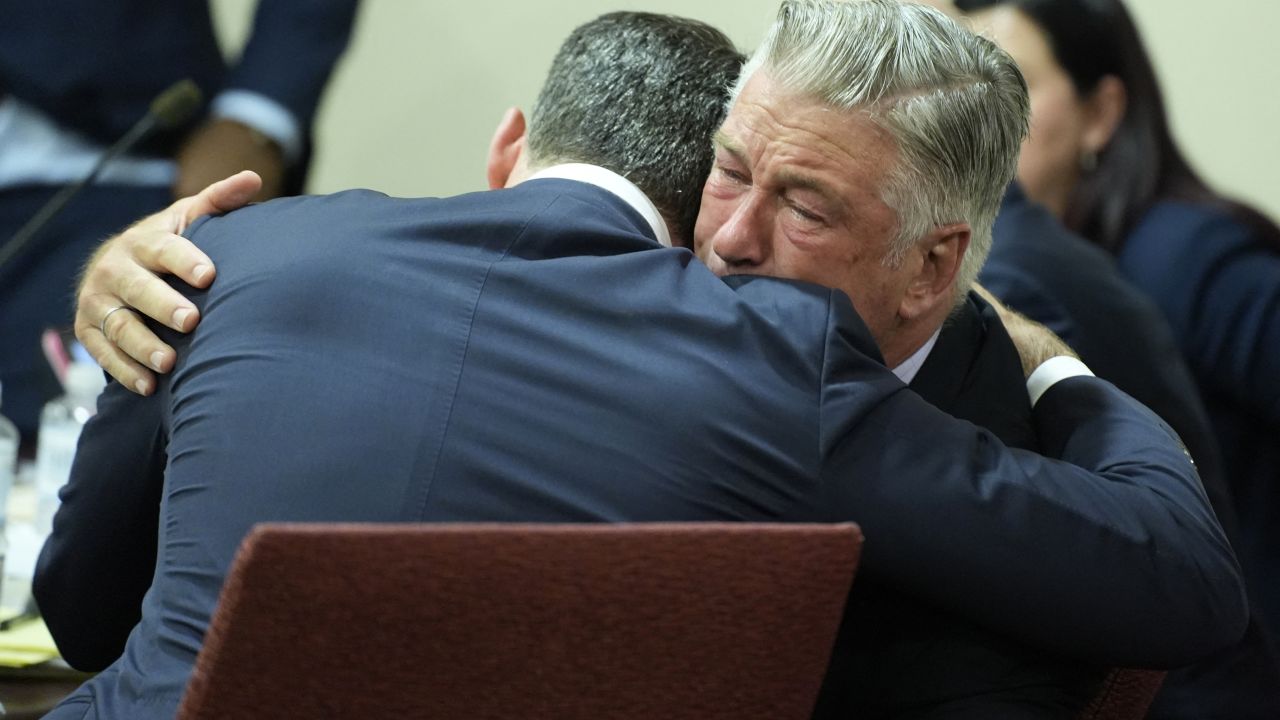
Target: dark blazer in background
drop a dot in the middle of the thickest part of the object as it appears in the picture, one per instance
(94, 66)
(532, 354)
(1217, 281)
(908, 660)
(1046, 272)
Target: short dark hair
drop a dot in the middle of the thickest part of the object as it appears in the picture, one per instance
(640, 94)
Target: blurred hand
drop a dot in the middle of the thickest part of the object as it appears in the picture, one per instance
(222, 147)
(1035, 342)
(125, 272)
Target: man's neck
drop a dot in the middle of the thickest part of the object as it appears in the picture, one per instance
(913, 339)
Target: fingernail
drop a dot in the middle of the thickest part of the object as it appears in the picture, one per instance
(156, 358)
(200, 272)
(180, 317)
(142, 387)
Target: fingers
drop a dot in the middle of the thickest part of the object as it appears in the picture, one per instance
(124, 329)
(220, 197)
(118, 365)
(163, 251)
(124, 346)
(155, 244)
(124, 326)
(123, 273)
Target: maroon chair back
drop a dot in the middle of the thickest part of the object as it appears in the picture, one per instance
(1126, 694)
(697, 621)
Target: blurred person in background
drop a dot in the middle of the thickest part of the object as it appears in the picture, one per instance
(1111, 599)
(75, 76)
(1101, 159)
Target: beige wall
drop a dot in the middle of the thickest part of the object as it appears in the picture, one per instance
(413, 104)
(1219, 67)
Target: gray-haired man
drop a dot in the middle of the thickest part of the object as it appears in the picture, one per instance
(1085, 559)
(867, 147)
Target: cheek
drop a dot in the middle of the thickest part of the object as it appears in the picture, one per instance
(711, 215)
(801, 256)
(871, 287)
(1053, 146)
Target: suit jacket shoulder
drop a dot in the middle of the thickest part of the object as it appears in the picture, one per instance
(974, 372)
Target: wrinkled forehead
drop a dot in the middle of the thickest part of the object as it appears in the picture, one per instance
(807, 131)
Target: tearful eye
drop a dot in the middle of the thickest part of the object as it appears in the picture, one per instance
(805, 215)
(732, 174)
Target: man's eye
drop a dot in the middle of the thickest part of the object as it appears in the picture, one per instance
(732, 174)
(806, 215)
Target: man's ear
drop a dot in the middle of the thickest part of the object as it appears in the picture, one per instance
(943, 252)
(1104, 109)
(506, 148)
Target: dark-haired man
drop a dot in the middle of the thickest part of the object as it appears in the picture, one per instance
(555, 363)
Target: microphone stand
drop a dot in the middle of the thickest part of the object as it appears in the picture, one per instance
(162, 113)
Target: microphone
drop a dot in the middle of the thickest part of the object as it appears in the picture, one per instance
(169, 109)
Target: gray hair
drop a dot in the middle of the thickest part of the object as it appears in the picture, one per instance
(640, 94)
(955, 105)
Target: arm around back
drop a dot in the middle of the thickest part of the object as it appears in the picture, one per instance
(1109, 553)
(127, 270)
(98, 563)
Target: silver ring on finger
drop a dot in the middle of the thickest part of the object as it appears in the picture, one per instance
(103, 325)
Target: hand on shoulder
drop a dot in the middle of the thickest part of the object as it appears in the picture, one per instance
(126, 274)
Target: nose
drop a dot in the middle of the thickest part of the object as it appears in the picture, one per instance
(744, 242)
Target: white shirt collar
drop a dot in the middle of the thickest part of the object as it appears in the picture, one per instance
(616, 184)
(907, 371)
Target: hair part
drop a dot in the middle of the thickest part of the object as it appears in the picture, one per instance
(640, 94)
(954, 104)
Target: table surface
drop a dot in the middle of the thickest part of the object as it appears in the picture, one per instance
(31, 692)
(32, 695)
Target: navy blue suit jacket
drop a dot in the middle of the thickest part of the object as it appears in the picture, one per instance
(900, 658)
(1041, 269)
(95, 66)
(1217, 281)
(532, 354)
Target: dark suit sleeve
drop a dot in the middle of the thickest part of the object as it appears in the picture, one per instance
(98, 562)
(1112, 556)
(292, 51)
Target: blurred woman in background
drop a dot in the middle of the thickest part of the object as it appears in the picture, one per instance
(1101, 157)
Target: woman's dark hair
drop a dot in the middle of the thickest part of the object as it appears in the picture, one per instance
(1142, 164)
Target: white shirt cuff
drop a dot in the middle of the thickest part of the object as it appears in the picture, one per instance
(1051, 371)
(264, 115)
